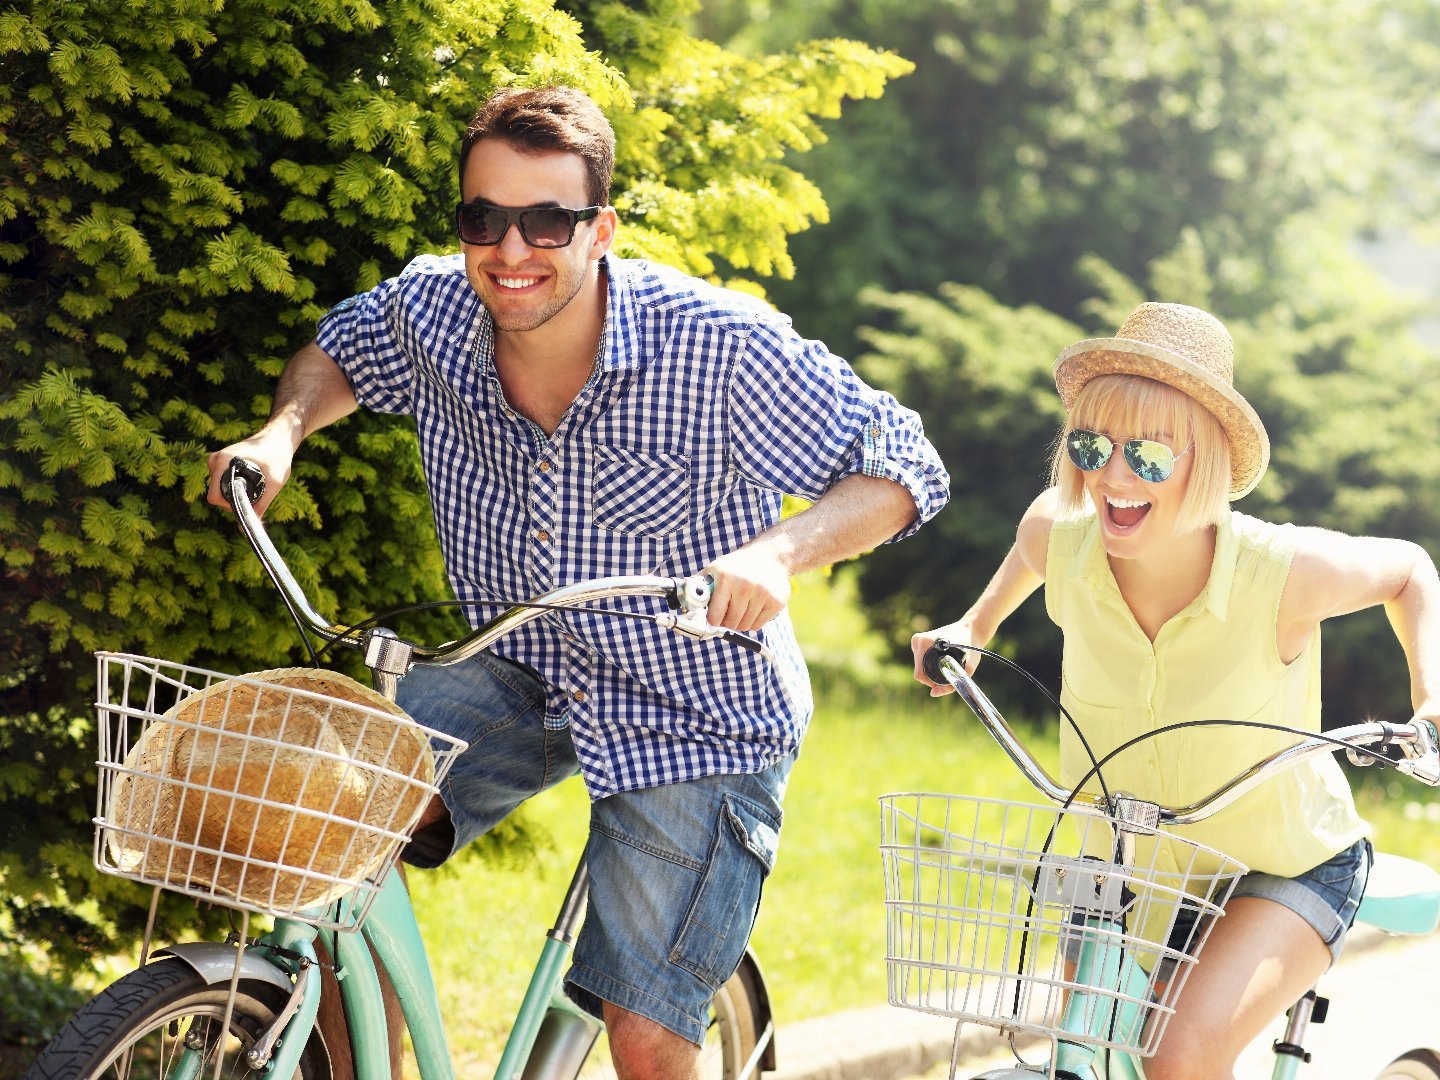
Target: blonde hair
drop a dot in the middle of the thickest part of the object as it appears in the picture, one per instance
(1134, 407)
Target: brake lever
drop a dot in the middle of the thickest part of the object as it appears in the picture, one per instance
(692, 598)
(1422, 754)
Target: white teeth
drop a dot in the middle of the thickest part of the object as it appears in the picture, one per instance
(515, 283)
(1125, 504)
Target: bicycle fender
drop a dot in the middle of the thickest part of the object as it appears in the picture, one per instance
(764, 1018)
(214, 961)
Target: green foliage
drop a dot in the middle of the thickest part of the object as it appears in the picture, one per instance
(703, 177)
(1034, 133)
(187, 186)
(32, 1008)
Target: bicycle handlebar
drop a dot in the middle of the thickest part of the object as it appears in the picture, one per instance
(944, 663)
(388, 655)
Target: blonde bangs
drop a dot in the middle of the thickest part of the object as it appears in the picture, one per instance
(1134, 407)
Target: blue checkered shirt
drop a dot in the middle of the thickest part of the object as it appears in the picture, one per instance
(704, 407)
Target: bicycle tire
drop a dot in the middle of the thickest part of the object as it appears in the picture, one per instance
(140, 1020)
(731, 1036)
(1416, 1065)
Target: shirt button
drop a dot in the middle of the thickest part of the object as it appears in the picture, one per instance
(542, 536)
(509, 415)
(544, 466)
(578, 695)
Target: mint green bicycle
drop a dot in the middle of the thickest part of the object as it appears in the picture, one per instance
(1067, 922)
(293, 797)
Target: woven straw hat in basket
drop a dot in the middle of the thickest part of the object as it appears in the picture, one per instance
(264, 786)
(1190, 350)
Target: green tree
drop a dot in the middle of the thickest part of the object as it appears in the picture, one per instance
(187, 185)
(1034, 133)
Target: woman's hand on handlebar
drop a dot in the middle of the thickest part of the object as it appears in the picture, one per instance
(956, 633)
(271, 454)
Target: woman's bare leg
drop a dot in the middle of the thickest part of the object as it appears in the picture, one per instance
(1261, 957)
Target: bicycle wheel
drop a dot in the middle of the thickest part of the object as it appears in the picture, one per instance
(141, 1024)
(730, 1038)
(1416, 1065)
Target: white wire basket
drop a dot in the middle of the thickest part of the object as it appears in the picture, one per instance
(288, 792)
(1001, 913)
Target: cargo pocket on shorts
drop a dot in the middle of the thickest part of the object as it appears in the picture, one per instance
(717, 927)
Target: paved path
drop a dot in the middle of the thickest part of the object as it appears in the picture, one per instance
(1385, 999)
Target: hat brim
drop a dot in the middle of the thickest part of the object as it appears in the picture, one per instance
(1249, 444)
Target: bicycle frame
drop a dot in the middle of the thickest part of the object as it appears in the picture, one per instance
(1414, 913)
(393, 932)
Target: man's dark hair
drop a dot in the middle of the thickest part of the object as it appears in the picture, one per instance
(547, 119)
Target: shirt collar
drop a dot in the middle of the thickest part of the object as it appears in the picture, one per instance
(1214, 597)
(619, 340)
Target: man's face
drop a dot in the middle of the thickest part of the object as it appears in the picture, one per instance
(524, 287)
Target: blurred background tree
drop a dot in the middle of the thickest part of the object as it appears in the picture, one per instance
(1035, 133)
(1050, 164)
(187, 186)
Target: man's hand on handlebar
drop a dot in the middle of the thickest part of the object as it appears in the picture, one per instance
(751, 588)
(271, 454)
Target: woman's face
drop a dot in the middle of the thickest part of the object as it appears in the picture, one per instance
(1138, 518)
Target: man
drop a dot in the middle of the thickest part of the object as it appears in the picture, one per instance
(579, 416)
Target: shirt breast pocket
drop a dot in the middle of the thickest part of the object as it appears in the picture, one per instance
(639, 493)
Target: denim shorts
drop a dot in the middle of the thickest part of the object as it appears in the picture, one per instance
(676, 872)
(1325, 896)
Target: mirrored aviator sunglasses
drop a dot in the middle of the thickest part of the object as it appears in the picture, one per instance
(1152, 461)
(540, 226)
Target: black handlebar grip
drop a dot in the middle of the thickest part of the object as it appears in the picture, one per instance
(253, 477)
(930, 662)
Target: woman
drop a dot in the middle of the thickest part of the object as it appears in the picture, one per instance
(1175, 607)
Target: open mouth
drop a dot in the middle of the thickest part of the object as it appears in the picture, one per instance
(1125, 514)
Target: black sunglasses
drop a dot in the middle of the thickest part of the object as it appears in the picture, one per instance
(540, 226)
(1152, 461)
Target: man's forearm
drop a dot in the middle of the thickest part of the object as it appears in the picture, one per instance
(312, 393)
(857, 514)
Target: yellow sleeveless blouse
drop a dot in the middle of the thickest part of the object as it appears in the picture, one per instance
(1215, 660)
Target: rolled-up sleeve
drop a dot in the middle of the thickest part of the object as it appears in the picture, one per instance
(801, 419)
(367, 335)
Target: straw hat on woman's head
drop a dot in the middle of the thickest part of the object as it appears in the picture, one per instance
(1190, 350)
